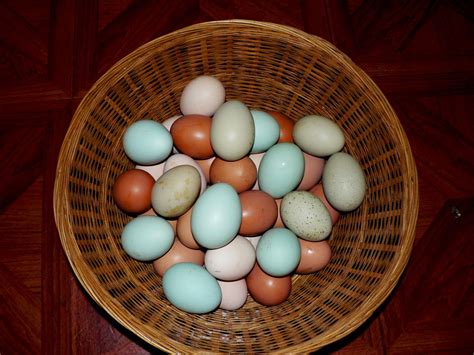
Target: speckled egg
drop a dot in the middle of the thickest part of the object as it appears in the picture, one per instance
(305, 215)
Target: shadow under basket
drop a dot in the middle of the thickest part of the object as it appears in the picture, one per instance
(268, 67)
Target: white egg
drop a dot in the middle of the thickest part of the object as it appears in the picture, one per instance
(202, 96)
(343, 182)
(306, 216)
(234, 294)
(318, 136)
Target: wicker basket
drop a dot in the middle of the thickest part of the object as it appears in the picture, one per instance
(270, 67)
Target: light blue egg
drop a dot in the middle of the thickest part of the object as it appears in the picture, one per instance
(278, 252)
(267, 131)
(216, 216)
(147, 142)
(281, 169)
(191, 288)
(146, 238)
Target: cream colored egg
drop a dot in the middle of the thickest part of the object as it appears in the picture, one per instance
(175, 191)
(306, 216)
(343, 182)
(202, 96)
(234, 294)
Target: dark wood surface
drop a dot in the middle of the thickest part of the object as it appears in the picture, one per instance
(420, 53)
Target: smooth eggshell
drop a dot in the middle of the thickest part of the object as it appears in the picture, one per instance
(232, 261)
(232, 131)
(168, 123)
(253, 241)
(182, 159)
(191, 136)
(314, 256)
(259, 212)
(154, 170)
(177, 254)
(318, 135)
(216, 216)
(281, 169)
(267, 131)
(234, 294)
(257, 159)
(132, 191)
(286, 126)
(172, 222)
(278, 252)
(206, 167)
(343, 182)
(184, 232)
(313, 170)
(305, 215)
(175, 191)
(202, 96)
(318, 191)
(191, 288)
(266, 289)
(240, 174)
(147, 142)
(146, 238)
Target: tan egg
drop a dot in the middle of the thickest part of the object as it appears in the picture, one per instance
(183, 230)
(313, 170)
(240, 174)
(279, 222)
(205, 165)
(178, 254)
(319, 192)
(314, 256)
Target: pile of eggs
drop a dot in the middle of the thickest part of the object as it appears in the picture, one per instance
(228, 201)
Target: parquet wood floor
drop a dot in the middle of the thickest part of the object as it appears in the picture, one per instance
(420, 53)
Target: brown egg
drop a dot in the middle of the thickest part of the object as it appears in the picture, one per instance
(268, 290)
(318, 191)
(286, 126)
(205, 165)
(183, 231)
(151, 212)
(132, 191)
(278, 222)
(240, 174)
(178, 254)
(192, 136)
(314, 256)
(259, 212)
(313, 170)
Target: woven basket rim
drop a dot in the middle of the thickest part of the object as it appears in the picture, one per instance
(92, 285)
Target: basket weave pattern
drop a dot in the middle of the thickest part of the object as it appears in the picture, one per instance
(268, 67)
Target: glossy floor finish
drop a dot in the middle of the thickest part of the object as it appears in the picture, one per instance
(420, 53)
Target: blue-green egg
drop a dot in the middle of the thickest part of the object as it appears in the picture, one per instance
(146, 238)
(216, 216)
(267, 131)
(191, 288)
(281, 169)
(278, 252)
(147, 142)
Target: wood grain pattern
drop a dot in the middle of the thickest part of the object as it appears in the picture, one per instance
(421, 54)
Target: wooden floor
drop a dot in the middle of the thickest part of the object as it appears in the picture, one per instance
(420, 53)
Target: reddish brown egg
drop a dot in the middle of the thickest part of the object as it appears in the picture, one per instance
(205, 165)
(240, 174)
(183, 231)
(192, 136)
(268, 290)
(313, 170)
(132, 191)
(278, 222)
(314, 256)
(259, 212)
(178, 254)
(286, 126)
(318, 191)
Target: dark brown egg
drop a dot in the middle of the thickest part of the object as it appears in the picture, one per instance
(314, 256)
(240, 174)
(192, 136)
(259, 212)
(286, 126)
(318, 192)
(132, 191)
(178, 254)
(268, 290)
